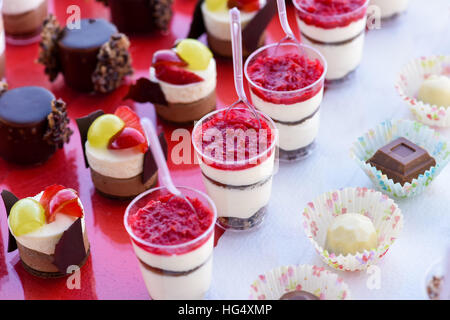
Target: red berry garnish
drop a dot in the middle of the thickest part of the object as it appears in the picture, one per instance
(244, 5)
(131, 120)
(48, 194)
(64, 201)
(175, 75)
(168, 57)
(128, 138)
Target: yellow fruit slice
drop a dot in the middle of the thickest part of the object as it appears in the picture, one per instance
(27, 215)
(195, 53)
(103, 129)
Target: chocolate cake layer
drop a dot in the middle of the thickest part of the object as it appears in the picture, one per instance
(78, 50)
(26, 24)
(41, 264)
(121, 188)
(187, 112)
(223, 47)
(169, 273)
(23, 124)
(297, 154)
(243, 224)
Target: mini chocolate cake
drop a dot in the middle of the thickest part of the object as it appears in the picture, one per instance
(402, 161)
(298, 295)
(32, 125)
(94, 57)
(140, 16)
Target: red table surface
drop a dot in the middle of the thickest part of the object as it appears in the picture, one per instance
(112, 271)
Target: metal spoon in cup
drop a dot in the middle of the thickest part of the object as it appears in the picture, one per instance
(158, 154)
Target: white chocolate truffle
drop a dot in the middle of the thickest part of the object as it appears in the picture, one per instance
(351, 233)
(435, 91)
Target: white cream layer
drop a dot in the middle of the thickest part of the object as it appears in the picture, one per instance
(217, 23)
(45, 239)
(288, 112)
(335, 34)
(239, 203)
(240, 177)
(293, 137)
(182, 262)
(119, 164)
(189, 92)
(341, 59)
(20, 6)
(390, 7)
(192, 286)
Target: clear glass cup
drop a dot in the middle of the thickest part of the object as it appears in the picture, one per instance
(296, 113)
(433, 276)
(240, 187)
(23, 20)
(389, 8)
(174, 272)
(339, 37)
(2, 47)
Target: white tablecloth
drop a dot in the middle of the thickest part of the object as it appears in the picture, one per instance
(348, 110)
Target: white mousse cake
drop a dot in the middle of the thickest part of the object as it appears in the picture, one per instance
(239, 180)
(187, 77)
(115, 148)
(23, 18)
(174, 245)
(288, 87)
(336, 29)
(217, 21)
(38, 223)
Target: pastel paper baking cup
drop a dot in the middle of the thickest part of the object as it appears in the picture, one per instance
(366, 146)
(384, 213)
(324, 284)
(408, 84)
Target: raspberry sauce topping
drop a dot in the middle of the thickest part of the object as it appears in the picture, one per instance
(282, 73)
(169, 220)
(235, 139)
(330, 14)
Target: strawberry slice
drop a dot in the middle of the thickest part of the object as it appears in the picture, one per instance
(64, 201)
(169, 57)
(48, 194)
(128, 138)
(132, 120)
(244, 5)
(175, 75)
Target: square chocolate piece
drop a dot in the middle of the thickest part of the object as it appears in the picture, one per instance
(402, 161)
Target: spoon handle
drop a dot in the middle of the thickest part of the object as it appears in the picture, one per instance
(236, 42)
(158, 154)
(282, 15)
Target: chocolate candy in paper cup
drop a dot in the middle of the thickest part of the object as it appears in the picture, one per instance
(423, 136)
(325, 285)
(379, 208)
(409, 82)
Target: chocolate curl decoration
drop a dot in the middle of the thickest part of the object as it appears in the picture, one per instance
(251, 34)
(145, 90)
(254, 29)
(83, 126)
(9, 199)
(150, 166)
(70, 249)
(197, 25)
